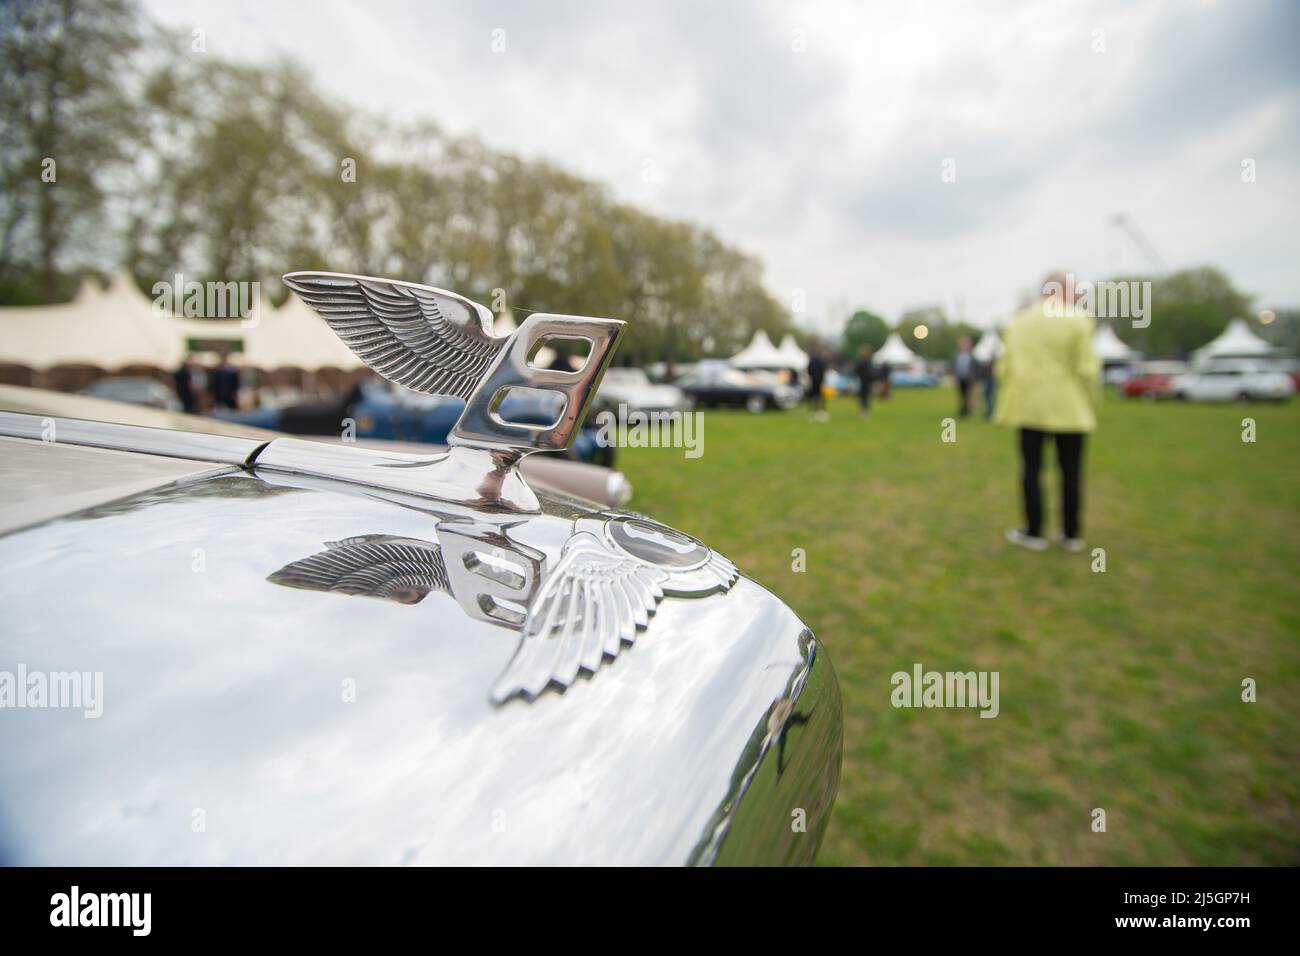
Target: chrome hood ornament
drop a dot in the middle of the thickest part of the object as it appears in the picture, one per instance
(438, 342)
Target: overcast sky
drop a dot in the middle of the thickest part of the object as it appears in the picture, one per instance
(815, 135)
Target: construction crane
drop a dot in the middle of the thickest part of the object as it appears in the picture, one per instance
(1141, 241)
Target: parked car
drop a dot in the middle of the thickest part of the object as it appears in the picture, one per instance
(906, 378)
(1117, 373)
(333, 654)
(633, 388)
(840, 383)
(137, 390)
(382, 411)
(1153, 380)
(1230, 380)
(711, 386)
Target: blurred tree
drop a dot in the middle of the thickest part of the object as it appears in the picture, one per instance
(864, 328)
(242, 172)
(1283, 330)
(66, 122)
(245, 170)
(928, 345)
(943, 340)
(1177, 328)
(1188, 309)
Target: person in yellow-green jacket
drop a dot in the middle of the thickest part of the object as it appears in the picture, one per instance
(1049, 385)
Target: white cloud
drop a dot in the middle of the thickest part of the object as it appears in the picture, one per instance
(825, 160)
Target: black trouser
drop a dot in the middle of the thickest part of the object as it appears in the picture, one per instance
(963, 393)
(864, 396)
(1069, 451)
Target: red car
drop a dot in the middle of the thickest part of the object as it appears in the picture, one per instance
(1152, 380)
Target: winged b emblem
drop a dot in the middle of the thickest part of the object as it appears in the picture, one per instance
(439, 342)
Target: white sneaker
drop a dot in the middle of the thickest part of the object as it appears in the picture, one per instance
(1073, 545)
(1017, 536)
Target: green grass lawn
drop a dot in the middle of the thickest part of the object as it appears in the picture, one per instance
(1119, 690)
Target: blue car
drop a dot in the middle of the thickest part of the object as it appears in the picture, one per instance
(901, 378)
(381, 412)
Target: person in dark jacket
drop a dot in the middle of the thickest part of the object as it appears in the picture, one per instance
(225, 384)
(187, 385)
(816, 377)
(963, 370)
(866, 379)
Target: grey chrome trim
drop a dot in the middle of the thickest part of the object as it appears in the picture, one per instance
(194, 446)
(468, 476)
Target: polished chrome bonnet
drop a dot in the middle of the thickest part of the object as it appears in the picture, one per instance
(316, 669)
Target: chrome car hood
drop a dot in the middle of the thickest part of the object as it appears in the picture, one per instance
(249, 717)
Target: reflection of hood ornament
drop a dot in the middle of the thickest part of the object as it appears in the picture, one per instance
(383, 566)
(439, 342)
(610, 577)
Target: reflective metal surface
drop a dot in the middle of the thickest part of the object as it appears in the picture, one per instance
(44, 480)
(245, 721)
(472, 476)
(150, 441)
(482, 426)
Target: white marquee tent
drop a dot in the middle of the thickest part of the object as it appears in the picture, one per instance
(108, 328)
(1109, 347)
(294, 335)
(988, 348)
(894, 353)
(759, 353)
(792, 356)
(118, 326)
(1236, 341)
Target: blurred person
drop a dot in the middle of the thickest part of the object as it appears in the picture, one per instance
(985, 379)
(988, 375)
(816, 378)
(1049, 386)
(188, 382)
(225, 384)
(963, 369)
(866, 379)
